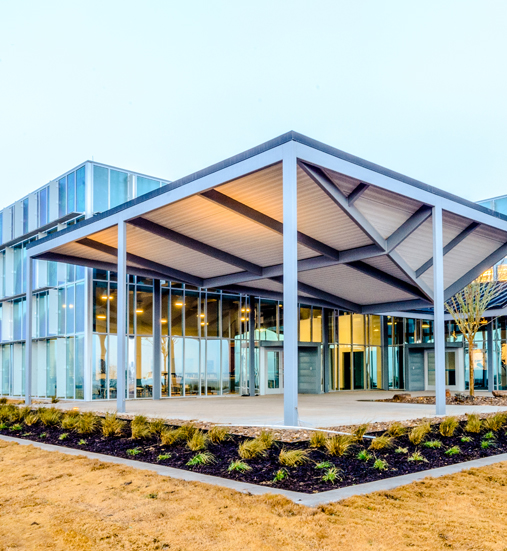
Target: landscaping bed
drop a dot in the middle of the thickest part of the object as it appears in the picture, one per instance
(324, 463)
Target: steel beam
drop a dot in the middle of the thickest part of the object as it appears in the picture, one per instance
(356, 193)
(385, 307)
(199, 246)
(144, 262)
(157, 339)
(408, 227)
(268, 222)
(438, 310)
(449, 247)
(121, 318)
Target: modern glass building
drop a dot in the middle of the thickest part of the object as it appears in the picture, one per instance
(206, 334)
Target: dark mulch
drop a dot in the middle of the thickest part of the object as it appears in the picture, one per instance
(306, 478)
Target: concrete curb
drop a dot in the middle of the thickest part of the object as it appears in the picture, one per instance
(310, 500)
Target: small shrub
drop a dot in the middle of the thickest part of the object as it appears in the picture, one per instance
(250, 449)
(495, 422)
(50, 417)
(17, 426)
(239, 466)
(169, 437)
(140, 430)
(267, 438)
(380, 464)
(363, 455)
(433, 444)
(280, 475)
(318, 440)
(416, 456)
(87, 423)
(218, 434)
(419, 433)
(31, 419)
(466, 438)
(293, 458)
(453, 451)
(63, 436)
(331, 475)
(360, 431)
(134, 451)
(448, 426)
(396, 430)
(70, 421)
(198, 442)
(82, 442)
(339, 444)
(401, 450)
(474, 424)
(5, 413)
(382, 442)
(489, 436)
(111, 425)
(157, 426)
(487, 444)
(139, 420)
(324, 465)
(202, 458)
(164, 456)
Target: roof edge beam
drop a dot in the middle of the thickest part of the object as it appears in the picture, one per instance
(449, 247)
(408, 227)
(268, 222)
(385, 307)
(199, 246)
(168, 272)
(386, 278)
(329, 187)
(356, 193)
(476, 271)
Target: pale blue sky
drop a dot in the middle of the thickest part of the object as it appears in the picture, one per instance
(170, 87)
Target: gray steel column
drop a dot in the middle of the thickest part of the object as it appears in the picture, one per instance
(290, 288)
(491, 357)
(438, 307)
(325, 347)
(157, 338)
(28, 331)
(121, 317)
(251, 344)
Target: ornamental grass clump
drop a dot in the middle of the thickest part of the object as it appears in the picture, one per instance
(331, 475)
(455, 450)
(318, 440)
(382, 442)
(112, 426)
(419, 433)
(250, 449)
(396, 429)
(157, 426)
(70, 420)
(416, 457)
(18, 414)
(50, 417)
(364, 455)
(293, 458)
(218, 434)
(380, 464)
(267, 438)
(495, 422)
(339, 444)
(448, 426)
(238, 466)
(202, 458)
(140, 428)
(31, 419)
(199, 441)
(474, 424)
(186, 431)
(88, 423)
(360, 431)
(5, 413)
(433, 444)
(169, 437)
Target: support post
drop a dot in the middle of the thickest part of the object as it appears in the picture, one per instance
(251, 346)
(290, 287)
(157, 339)
(491, 357)
(438, 307)
(325, 349)
(122, 317)
(28, 331)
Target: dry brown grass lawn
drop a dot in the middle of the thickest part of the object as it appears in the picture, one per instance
(58, 502)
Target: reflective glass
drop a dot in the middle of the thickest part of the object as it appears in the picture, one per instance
(213, 366)
(191, 366)
(79, 308)
(79, 368)
(145, 185)
(118, 188)
(51, 369)
(99, 367)
(501, 205)
(144, 367)
(227, 375)
(305, 324)
(375, 333)
(316, 324)
(80, 190)
(144, 311)
(230, 321)
(70, 368)
(113, 305)
(211, 319)
(192, 314)
(100, 193)
(61, 311)
(71, 192)
(165, 366)
(344, 329)
(70, 309)
(25, 215)
(43, 206)
(112, 360)
(100, 300)
(6, 365)
(62, 198)
(176, 359)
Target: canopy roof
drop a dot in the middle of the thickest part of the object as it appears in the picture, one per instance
(365, 234)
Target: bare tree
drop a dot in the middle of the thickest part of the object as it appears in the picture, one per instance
(467, 309)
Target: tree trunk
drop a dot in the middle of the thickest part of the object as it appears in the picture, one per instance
(471, 367)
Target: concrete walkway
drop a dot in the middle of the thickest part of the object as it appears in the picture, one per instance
(315, 410)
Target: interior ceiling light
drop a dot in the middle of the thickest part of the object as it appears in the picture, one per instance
(178, 304)
(104, 297)
(139, 310)
(163, 320)
(101, 316)
(425, 325)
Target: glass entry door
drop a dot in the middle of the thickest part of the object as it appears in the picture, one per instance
(272, 371)
(451, 369)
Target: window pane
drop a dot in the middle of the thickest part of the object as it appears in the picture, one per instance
(113, 305)
(70, 309)
(213, 366)
(99, 366)
(191, 314)
(191, 366)
(212, 315)
(61, 311)
(71, 192)
(100, 307)
(230, 314)
(79, 368)
(62, 198)
(118, 188)
(80, 190)
(145, 185)
(144, 367)
(358, 328)
(80, 308)
(100, 200)
(177, 308)
(317, 325)
(70, 368)
(176, 360)
(144, 311)
(305, 327)
(344, 331)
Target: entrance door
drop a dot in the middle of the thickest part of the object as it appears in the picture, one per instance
(453, 369)
(272, 371)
